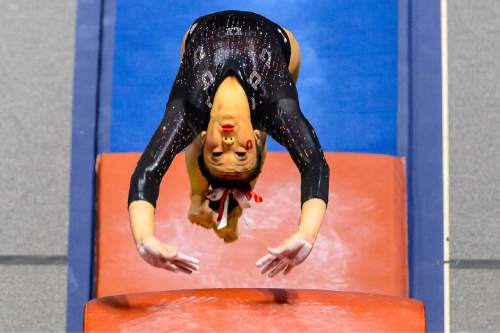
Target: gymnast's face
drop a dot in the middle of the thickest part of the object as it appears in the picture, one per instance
(230, 142)
(230, 148)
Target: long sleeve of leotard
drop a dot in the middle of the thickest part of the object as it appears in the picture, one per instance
(176, 130)
(284, 121)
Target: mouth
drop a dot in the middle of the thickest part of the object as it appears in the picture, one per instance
(227, 128)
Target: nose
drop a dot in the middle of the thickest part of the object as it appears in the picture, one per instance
(227, 142)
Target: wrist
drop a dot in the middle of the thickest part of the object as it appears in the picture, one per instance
(311, 217)
(308, 235)
(141, 239)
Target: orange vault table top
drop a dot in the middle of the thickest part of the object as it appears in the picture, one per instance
(361, 246)
(254, 310)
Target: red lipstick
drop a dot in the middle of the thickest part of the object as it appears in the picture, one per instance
(227, 128)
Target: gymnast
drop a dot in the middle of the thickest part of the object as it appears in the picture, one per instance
(235, 85)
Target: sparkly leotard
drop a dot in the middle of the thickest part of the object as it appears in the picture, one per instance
(256, 51)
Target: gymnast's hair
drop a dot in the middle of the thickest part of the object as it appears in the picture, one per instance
(240, 184)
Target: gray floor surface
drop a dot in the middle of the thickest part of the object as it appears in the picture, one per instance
(474, 104)
(36, 80)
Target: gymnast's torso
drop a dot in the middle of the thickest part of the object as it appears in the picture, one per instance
(257, 52)
(243, 44)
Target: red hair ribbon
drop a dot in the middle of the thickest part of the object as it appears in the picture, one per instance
(242, 197)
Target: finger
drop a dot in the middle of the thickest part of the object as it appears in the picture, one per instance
(187, 265)
(275, 251)
(186, 258)
(264, 260)
(179, 263)
(288, 268)
(281, 266)
(270, 266)
(195, 267)
(183, 269)
(169, 266)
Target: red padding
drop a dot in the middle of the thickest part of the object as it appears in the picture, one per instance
(361, 246)
(254, 310)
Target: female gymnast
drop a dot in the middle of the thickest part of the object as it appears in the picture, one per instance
(235, 85)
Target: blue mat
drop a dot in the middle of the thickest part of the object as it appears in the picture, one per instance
(347, 84)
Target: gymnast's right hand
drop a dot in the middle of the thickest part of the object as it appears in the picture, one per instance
(160, 255)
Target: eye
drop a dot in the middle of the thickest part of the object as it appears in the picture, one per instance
(217, 153)
(241, 153)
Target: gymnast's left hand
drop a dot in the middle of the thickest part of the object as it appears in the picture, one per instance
(286, 256)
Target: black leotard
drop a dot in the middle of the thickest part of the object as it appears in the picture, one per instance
(256, 51)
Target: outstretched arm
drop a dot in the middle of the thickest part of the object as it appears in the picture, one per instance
(287, 125)
(172, 135)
